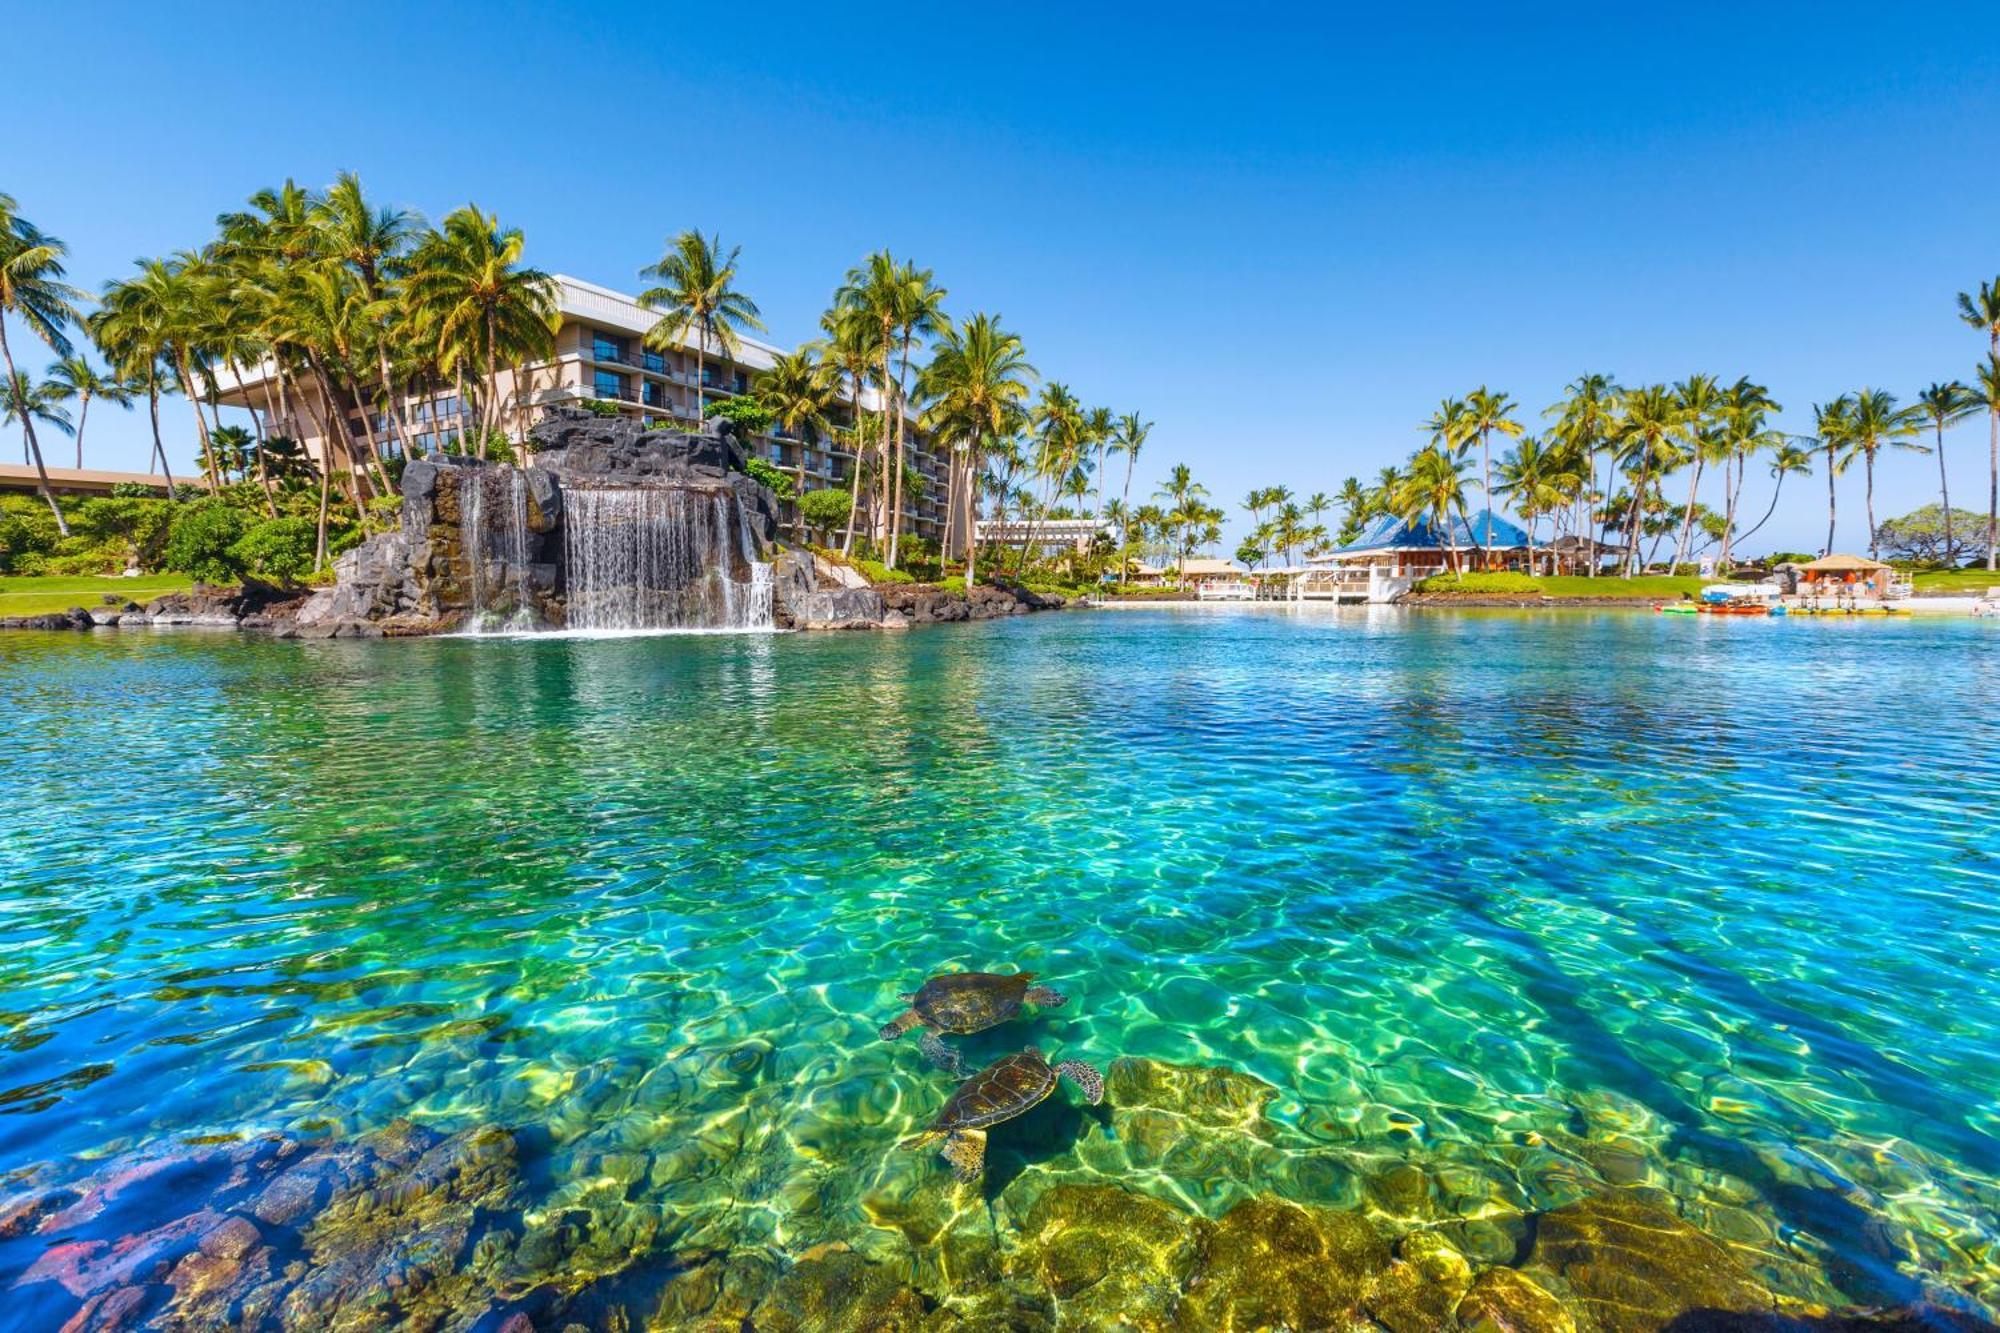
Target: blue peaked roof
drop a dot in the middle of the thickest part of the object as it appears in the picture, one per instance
(1401, 534)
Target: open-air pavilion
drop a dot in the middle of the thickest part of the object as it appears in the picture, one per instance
(1394, 553)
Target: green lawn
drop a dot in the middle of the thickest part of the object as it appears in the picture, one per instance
(1947, 582)
(1645, 585)
(34, 596)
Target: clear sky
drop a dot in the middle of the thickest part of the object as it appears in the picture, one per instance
(1282, 235)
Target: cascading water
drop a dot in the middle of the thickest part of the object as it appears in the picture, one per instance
(662, 557)
(503, 602)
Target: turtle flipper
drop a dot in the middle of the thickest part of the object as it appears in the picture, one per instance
(965, 1149)
(1047, 998)
(1086, 1078)
(897, 1026)
(941, 1055)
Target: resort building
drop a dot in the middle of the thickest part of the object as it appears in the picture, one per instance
(1394, 553)
(600, 357)
(1075, 533)
(22, 477)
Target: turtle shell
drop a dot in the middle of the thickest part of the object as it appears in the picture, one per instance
(971, 1001)
(1010, 1085)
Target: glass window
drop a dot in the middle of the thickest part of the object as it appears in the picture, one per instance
(652, 394)
(607, 347)
(608, 384)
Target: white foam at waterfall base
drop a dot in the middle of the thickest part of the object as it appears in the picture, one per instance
(654, 559)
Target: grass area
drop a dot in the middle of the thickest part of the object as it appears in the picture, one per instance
(1568, 585)
(1645, 585)
(1950, 582)
(23, 595)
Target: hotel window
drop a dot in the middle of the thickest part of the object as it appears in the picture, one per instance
(608, 384)
(605, 347)
(742, 382)
(447, 407)
(424, 441)
(650, 393)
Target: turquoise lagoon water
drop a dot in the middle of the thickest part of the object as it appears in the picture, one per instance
(1534, 902)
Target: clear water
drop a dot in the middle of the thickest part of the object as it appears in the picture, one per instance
(1533, 901)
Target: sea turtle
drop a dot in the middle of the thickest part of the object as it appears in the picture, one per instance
(966, 1002)
(1004, 1089)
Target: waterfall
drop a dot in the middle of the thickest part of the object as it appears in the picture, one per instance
(660, 557)
(496, 548)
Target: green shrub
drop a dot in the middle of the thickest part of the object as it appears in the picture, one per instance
(598, 407)
(201, 539)
(748, 413)
(956, 583)
(825, 510)
(137, 490)
(277, 548)
(1490, 583)
(877, 572)
(767, 472)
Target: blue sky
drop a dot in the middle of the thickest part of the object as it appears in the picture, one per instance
(1281, 235)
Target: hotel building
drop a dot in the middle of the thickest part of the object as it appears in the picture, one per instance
(601, 355)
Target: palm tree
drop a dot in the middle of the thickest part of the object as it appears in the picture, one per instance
(1187, 513)
(1586, 419)
(976, 388)
(1131, 436)
(1354, 508)
(32, 291)
(1875, 423)
(875, 293)
(697, 296)
(1944, 405)
(1531, 478)
(1744, 432)
(1433, 490)
(82, 381)
(1787, 459)
(1702, 403)
(1487, 412)
(1981, 309)
(1646, 431)
(474, 303)
(801, 391)
(372, 242)
(26, 402)
(1987, 394)
(1830, 432)
(919, 313)
(850, 345)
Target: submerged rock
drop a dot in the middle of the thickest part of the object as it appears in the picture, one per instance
(839, 1291)
(1110, 1256)
(1633, 1267)
(1273, 1264)
(1503, 1301)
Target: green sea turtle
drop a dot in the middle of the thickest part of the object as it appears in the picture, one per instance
(1004, 1089)
(966, 1002)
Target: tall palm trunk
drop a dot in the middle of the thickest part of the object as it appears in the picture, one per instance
(1776, 491)
(902, 427)
(1868, 470)
(159, 446)
(1732, 487)
(1945, 493)
(34, 445)
(1638, 512)
(1993, 488)
(854, 497)
(1486, 468)
(971, 471)
(1681, 552)
(82, 417)
(1831, 502)
(186, 373)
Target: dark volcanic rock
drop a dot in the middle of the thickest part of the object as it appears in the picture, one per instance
(570, 441)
